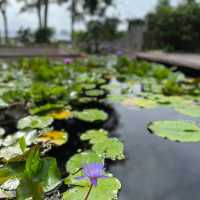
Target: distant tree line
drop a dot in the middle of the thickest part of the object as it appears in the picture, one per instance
(174, 28)
(79, 9)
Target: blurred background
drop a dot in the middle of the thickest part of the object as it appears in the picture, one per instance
(102, 26)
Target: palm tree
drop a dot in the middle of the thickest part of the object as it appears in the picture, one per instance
(3, 5)
(31, 5)
(80, 8)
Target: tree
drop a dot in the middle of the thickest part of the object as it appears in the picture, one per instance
(81, 8)
(31, 5)
(174, 28)
(3, 5)
(98, 32)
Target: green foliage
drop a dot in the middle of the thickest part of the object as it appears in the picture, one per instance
(98, 31)
(91, 115)
(44, 35)
(182, 131)
(110, 148)
(35, 122)
(107, 189)
(28, 188)
(163, 31)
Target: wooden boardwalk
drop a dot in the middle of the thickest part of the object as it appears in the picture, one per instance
(51, 52)
(191, 61)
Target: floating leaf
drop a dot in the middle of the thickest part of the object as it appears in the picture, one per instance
(29, 136)
(54, 137)
(10, 172)
(45, 108)
(94, 135)
(94, 93)
(192, 110)
(107, 189)
(2, 132)
(116, 98)
(60, 115)
(6, 194)
(182, 131)
(91, 115)
(77, 161)
(143, 103)
(33, 122)
(89, 86)
(110, 148)
(6, 153)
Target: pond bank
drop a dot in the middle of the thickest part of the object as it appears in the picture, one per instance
(186, 62)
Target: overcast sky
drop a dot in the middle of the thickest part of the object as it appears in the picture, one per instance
(59, 17)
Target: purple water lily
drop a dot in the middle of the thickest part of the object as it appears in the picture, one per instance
(68, 61)
(93, 172)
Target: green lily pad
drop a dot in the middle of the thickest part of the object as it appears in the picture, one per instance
(77, 161)
(7, 153)
(94, 93)
(89, 86)
(182, 131)
(35, 122)
(140, 102)
(107, 189)
(94, 135)
(116, 98)
(110, 148)
(91, 115)
(192, 110)
(45, 108)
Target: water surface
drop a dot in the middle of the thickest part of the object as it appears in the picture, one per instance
(155, 168)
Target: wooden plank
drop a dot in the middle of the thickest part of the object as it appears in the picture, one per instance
(17, 52)
(181, 60)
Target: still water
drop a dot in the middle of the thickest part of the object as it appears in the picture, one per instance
(155, 169)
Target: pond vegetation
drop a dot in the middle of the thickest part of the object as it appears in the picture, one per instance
(52, 122)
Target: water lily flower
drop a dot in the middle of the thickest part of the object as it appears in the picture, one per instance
(93, 172)
(68, 61)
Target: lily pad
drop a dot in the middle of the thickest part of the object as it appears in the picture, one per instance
(91, 115)
(45, 108)
(77, 161)
(54, 137)
(107, 189)
(7, 153)
(39, 122)
(192, 110)
(182, 131)
(7, 194)
(116, 98)
(94, 135)
(140, 102)
(110, 148)
(94, 93)
(60, 115)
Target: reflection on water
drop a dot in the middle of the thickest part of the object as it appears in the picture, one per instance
(155, 169)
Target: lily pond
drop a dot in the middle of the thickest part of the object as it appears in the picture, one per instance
(98, 128)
